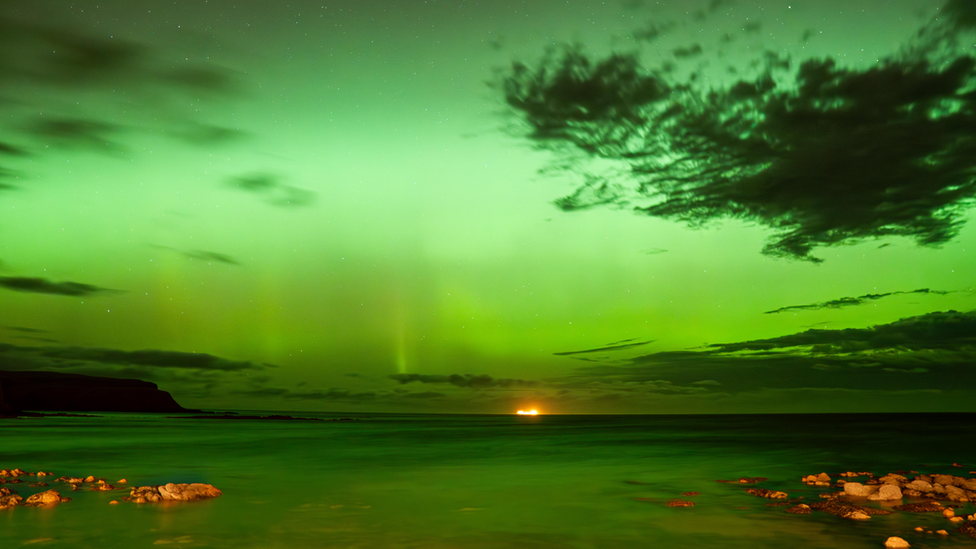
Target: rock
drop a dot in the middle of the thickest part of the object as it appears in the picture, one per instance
(887, 492)
(942, 532)
(8, 499)
(113, 502)
(752, 480)
(969, 529)
(912, 493)
(924, 507)
(174, 492)
(89, 478)
(919, 529)
(764, 493)
(689, 494)
(955, 493)
(680, 503)
(122, 481)
(857, 515)
(948, 513)
(859, 490)
(893, 478)
(831, 495)
(41, 499)
(801, 509)
(37, 484)
(894, 541)
(918, 485)
(956, 519)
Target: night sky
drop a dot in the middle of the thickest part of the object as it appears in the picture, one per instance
(642, 206)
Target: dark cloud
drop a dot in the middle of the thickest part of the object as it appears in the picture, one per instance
(821, 154)
(652, 31)
(212, 256)
(43, 286)
(690, 51)
(149, 357)
(27, 330)
(943, 331)
(275, 192)
(939, 349)
(11, 150)
(202, 254)
(852, 301)
(466, 380)
(71, 132)
(961, 14)
(609, 347)
(342, 395)
(207, 134)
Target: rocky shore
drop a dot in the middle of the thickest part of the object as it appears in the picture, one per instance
(164, 493)
(862, 495)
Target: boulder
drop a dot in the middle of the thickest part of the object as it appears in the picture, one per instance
(895, 541)
(893, 478)
(9, 500)
(859, 490)
(969, 529)
(954, 493)
(887, 492)
(856, 514)
(801, 509)
(764, 493)
(918, 485)
(174, 492)
(51, 497)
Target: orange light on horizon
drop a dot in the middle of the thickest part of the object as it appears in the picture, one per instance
(528, 412)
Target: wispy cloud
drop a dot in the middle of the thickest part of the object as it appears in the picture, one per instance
(44, 286)
(852, 301)
(608, 347)
(272, 189)
(463, 380)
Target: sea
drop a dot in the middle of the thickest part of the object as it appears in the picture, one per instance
(475, 481)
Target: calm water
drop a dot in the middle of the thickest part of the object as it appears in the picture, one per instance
(472, 481)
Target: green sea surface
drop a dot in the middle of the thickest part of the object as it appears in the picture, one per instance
(469, 481)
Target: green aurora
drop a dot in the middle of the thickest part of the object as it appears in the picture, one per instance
(379, 206)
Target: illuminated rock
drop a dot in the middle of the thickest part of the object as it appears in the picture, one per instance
(887, 492)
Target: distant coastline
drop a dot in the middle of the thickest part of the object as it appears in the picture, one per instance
(39, 391)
